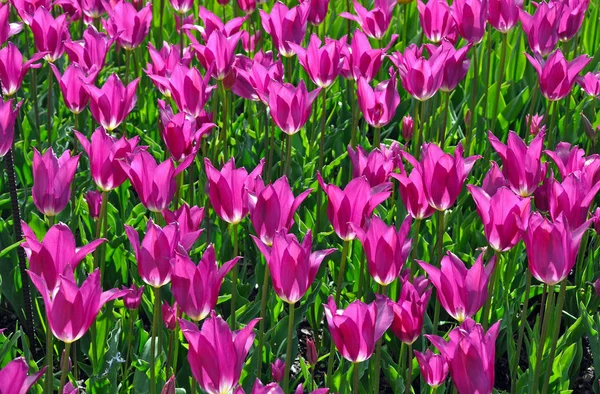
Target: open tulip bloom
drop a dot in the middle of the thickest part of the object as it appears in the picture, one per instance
(14, 378)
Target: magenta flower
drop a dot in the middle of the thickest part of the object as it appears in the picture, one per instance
(57, 251)
(493, 180)
(292, 266)
(254, 77)
(556, 75)
(71, 309)
(290, 106)
(105, 154)
(272, 209)
(277, 370)
(14, 379)
(461, 291)
(72, 85)
(420, 77)
(93, 9)
(412, 192)
(409, 311)
(218, 53)
(571, 18)
(169, 315)
(93, 198)
(470, 17)
(408, 127)
(504, 14)
(182, 6)
(356, 329)
(163, 64)
(571, 159)
(89, 53)
(188, 220)
(7, 29)
(196, 287)
(286, 25)
(374, 23)
(216, 355)
(322, 63)
(212, 22)
(274, 388)
(436, 19)
(351, 205)
(455, 65)
(52, 178)
(376, 166)
(189, 89)
(536, 124)
(133, 298)
(111, 104)
(317, 11)
(49, 34)
(12, 68)
(8, 115)
(590, 83)
(572, 198)
(156, 254)
(378, 105)
(128, 26)
(434, 367)
(541, 28)
(360, 59)
(228, 189)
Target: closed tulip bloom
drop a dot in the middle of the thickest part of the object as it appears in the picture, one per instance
(412, 192)
(504, 14)
(461, 291)
(557, 75)
(409, 311)
(163, 64)
(470, 17)
(169, 315)
(493, 180)
(189, 89)
(360, 59)
(89, 53)
(322, 63)
(521, 164)
(169, 387)
(105, 154)
(71, 309)
(386, 248)
(356, 329)
(12, 68)
(57, 251)
(49, 34)
(216, 355)
(182, 6)
(376, 166)
(286, 25)
(590, 83)
(277, 370)
(378, 105)
(455, 66)
(571, 18)
(470, 352)
(111, 104)
(351, 205)
(228, 189)
(274, 388)
(421, 77)
(317, 11)
(436, 19)
(92, 8)
(72, 85)
(290, 106)
(52, 178)
(499, 214)
(93, 198)
(133, 298)
(272, 209)
(218, 53)
(536, 124)
(7, 29)
(128, 25)
(572, 198)
(8, 115)
(14, 379)
(156, 253)
(408, 127)
(312, 356)
(541, 28)
(189, 220)
(212, 22)
(252, 82)
(247, 6)
(434, 367)
(374, 23)
(292, 266)
(571, 159)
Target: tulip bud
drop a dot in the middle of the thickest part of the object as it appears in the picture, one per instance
(169, 387)
(70, 389)
(94, 202)
(169, 315)
(277, 370)
(596, 220)
(133, 299)
(589, 128)
(408, 127)
(64, 358)
(468, 117)
(311, 352)
(535, 124)
(597, 286)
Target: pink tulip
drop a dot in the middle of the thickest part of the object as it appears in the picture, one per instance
(93, 9)
(434, 367)
(49, 34)
(412, 192)
(408, 127)
(133, 298)
(169, 315)
(228, 189)
(189, 89)
(272, 209)
(499, 214)
(360, 59)
(317, 11)
(218, 53)
(164, 62)
(253, 79)
(89, 53)
(169, 387)
(409, 311)
(590, 83)
(455, 66)
(536, 124)
(285, 25)
(72, 85)
(52, 178)
(470, 352)
(571, 17)
(71, 309)
(274, 388)
(571, 159)
(436, 19)
(156, 254)
(188, 220)
(541, 28)
(556, 75)
(461, 291)
(385, 248)
(127, 25)
(250, 42)
(493, 180)
(57, 251)
(12, 68)
(376, 166)
(572, 198)
(182, 6)
(470, 17)
(292, 266)
(111, 104)
(597, 287)
(247, 6)
(105, 154)
(216, 355)
(504, 14)
(14, 379)
(70, 8)
(277, 370)
(374, 23)
(378, 105)
(7, 29)
(290, 106)
(212, 22)
(356, 329)
(322, 63)
(312, 356)
(93, 199)
(8, 116)
(351, 205)
(420, 77)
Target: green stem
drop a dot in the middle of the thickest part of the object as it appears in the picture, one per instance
(128, 357)
(471, 127)
(442, 135)
(377, 368)
(127, 64)
(402, 357)
(554, 338)
(524, 310)
(178, 186)
(288, 156)
(288, 352)
(355, 384)
(439, 242)
(485, 318)
(486, 77)
(377, 137)
(354, 121)
(261, 324)
(175, 348)
(322, 135)
(234, 275)
(192, 181)
(544, 331)
(271, 148)
(155, 329)
(409, 369)
(532, 105)
(194, 384)
(65, 367)
(34, 93)
(500, 80)
(49, 359)
(100, 231)
(554, 105)
(417, 137)
(224, 111)
(413, 253)
(182, 16)
(49, 99)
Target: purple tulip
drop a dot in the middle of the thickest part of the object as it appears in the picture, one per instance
(470, 17)
(133, 298)
(378, 105)
(572, 198)
(52, 178)
(89, 53)
(189, 89)
(360, 59)
(286, 25)
(455, 66)
(434, 367)
(556, 75)
(436, 19)
(317, 11)
(14, 379)
(7, 29)
(277, 370)
(128, 25)
(49, 33)
(163, 64)
(376, 166)
(504, 14)
(111, 104)
(408, 127)
(72, 85)
(374, 23)
(412, 192)
(8, 116)
(322, 63)
(188, 220)
(590, 83)
(218, 53)
(290, 106)
(571, 17)
(12, 68)
(541, 28)
(94, 202)
(420, 77)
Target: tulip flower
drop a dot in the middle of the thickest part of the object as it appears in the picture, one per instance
(70, 8)
(420, 77)
(154, 183)
(274, 388)
(521, 165)
(470, 17)
(378, 105)
(12, 68)
(290, 106)
(8, 115)
(470, 352)
(385, 248)
(455, 66)
(504, 14)
(216, 355)
(105, 154)
(7, 29)
(571, 159)
(169, 387)
(252, 83)
(94, 202)
(292, 266)
(111, 104)
(93, 9)
(272, 209)
(285, 25)
(90, 53)
(317, 11)
(188, 220)
(57, 251)
(169, 315)
(189, 89)
(374, 23)
(312, 357)
(322, 63)
(356, 329)
(436, 19)
(572, 198)
(408, 127)
(277, 370)
(156, 254)
(434, 367)
(556, 75)
(71, 309)
(493, 180)
(353, 204)
(409, 311)
(535, 123)
(541, 28)
(590, 83)
(376, 166)
(461, 291)
(597, 287)
(218, 53)
(133, 298)
(164, 62)
(127, 25)
(72, 85)
(571, 18)
(14, 379)
(49, 34)
(212, 22)
(412, 192)
(500, 214)
(182, 6)
(52, 178)
(360, 59)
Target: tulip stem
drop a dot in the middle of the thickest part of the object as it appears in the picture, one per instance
(234, 276)
(49, 98)
(442, 135)
(65, 367)
(354, 121)
(524, 310)
(322, 135)
(261, 324)
(500, 79)
(355, 385)
(288, 156)
(409, 370)
(100, 229)
(542, 340)
(471, 127)
(485, 318)
(532, 108)
(553, 105)
(415, 246)
(33, 88)
(554, 338)
(224, 121)
(486, 77)
(377, 367)
(153, 343)
(361, 277)
(49, 357)
(127, 63)
(288, 352)
(376, 137)
(271, 128)
(175, 348)
(129, 335)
